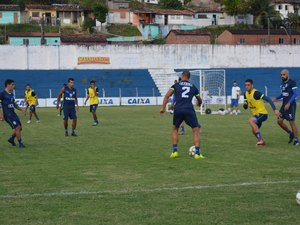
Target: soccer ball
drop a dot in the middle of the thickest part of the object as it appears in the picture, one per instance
(298, 197)
(192, 151)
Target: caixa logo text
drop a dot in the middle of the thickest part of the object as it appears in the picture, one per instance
(139, 101)
(20, 102)
(106, 101)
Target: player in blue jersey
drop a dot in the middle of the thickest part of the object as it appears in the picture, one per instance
(70, 101)
(184, 110)
(289, 94)
(8, 104)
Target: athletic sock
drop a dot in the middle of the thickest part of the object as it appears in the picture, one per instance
(66, 130)
(73, 130)
(197, 150)
(258, 135)
(290, 133)
(20, 141)
(12, 137)
(296, 139)
(175, 148)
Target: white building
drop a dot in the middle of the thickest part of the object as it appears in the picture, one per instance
(284, 7)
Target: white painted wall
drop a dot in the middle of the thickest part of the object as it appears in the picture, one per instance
(150, 57)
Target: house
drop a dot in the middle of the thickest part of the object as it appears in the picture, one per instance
(259, 37)
(188, 37)
(284, 7)
(119, 16)
(84, 40)
(32, 38)
(56, 14)
(10, 14)
(118, 4)
(173, 17)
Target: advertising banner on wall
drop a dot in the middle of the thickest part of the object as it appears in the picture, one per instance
(138, 101)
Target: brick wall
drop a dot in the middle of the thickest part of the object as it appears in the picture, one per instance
(187, 39)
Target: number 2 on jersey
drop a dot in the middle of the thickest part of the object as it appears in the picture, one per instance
(185, 92)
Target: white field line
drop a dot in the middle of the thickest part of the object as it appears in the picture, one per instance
(145, 190)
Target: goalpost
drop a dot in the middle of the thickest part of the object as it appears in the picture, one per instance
(212, 88)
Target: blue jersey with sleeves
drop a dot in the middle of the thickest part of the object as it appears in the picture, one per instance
(7, 102)
(184, 92)
(287, 89)
(70, 96)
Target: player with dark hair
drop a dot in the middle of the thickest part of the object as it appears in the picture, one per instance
(8, 104)
(184, 110)
(70, 101)
(255, 101)
(289, 94)
(92, 94)
(31, 101)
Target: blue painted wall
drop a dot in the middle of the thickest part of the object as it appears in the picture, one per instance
(8, 17)
(110, 80)
(34, 40)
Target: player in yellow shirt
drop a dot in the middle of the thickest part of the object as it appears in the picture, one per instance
(92, 94)
(31, 101)
(255, 101)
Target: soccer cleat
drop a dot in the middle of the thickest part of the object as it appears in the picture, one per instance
(66, 134)
(74, 134)
(296, 143)
(12, 142)
(21, 145)
(199, 156)
(261, 143)
(95, 123)
(291, 138)
(174, 155)
(29, 121)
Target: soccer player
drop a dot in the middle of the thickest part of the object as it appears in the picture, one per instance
(255, 101)
(235, 96)
(70, 100)
(8, 104)
(31, 101)
(184, 92)
(289, 94)
(92, 94)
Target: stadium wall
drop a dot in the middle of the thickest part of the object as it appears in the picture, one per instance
(149, 56)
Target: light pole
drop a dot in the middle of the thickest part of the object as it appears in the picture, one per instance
(287, 33)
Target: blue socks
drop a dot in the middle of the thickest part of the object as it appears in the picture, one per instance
(20, 141)
(73, 131)
(290, 133)
(197, 150)
(258, 135)
(175, 148)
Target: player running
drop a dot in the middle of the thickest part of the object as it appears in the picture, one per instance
(70, 100)
(255, 101)
(8, 104)
(92, 94)
(184, 92)
(31, 102)
(289, 94)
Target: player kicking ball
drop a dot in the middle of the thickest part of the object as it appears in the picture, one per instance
(92, 94)
(8, 104)
(255, 101)
(289, 94)
(184, 110)
(70, 100)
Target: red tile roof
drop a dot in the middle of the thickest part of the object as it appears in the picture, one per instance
(207, 10)
(9, 8)
(84, 39)
(262, 32)
(190, 32)
(58, 7)
(286, 1)
(173, 12)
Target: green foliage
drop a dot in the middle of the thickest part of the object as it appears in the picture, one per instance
(158, 41)
(232, 7)
(292, 21)
(170, 4)
(123, 30)
(88, 24)
(28, 28)
(262, 10)
(100, 12)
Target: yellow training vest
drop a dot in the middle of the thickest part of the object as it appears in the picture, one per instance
(30, 99)
(93, 97)
(256, 106)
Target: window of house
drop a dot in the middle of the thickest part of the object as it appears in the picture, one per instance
(296, 41)
(35, 14)
(286, 7)
(263, 41)
(25, 41)
(122, 15)
(202, 16)
(242, 41)
(281, 41)
(279, 7)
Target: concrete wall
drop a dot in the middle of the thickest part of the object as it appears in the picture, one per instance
(145, 56)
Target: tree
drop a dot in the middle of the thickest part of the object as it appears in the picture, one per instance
(170, 4)
(262, 10)
(292, 21)
(236, 7)
(100, 12)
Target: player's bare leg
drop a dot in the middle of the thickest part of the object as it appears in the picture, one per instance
(295, 132)
(255, 131)
(74, 124)
(281, 123)
(174, 142)
(36, 117)
(95, 118)
(30, 117)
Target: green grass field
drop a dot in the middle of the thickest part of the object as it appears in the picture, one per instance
(120, 173)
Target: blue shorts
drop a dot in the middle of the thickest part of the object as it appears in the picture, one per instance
(32, 108)
(70, 113)
(260, 118)
(188, 116)
(93, 108)
(234, 103)
(290, 114)
(13, 121)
